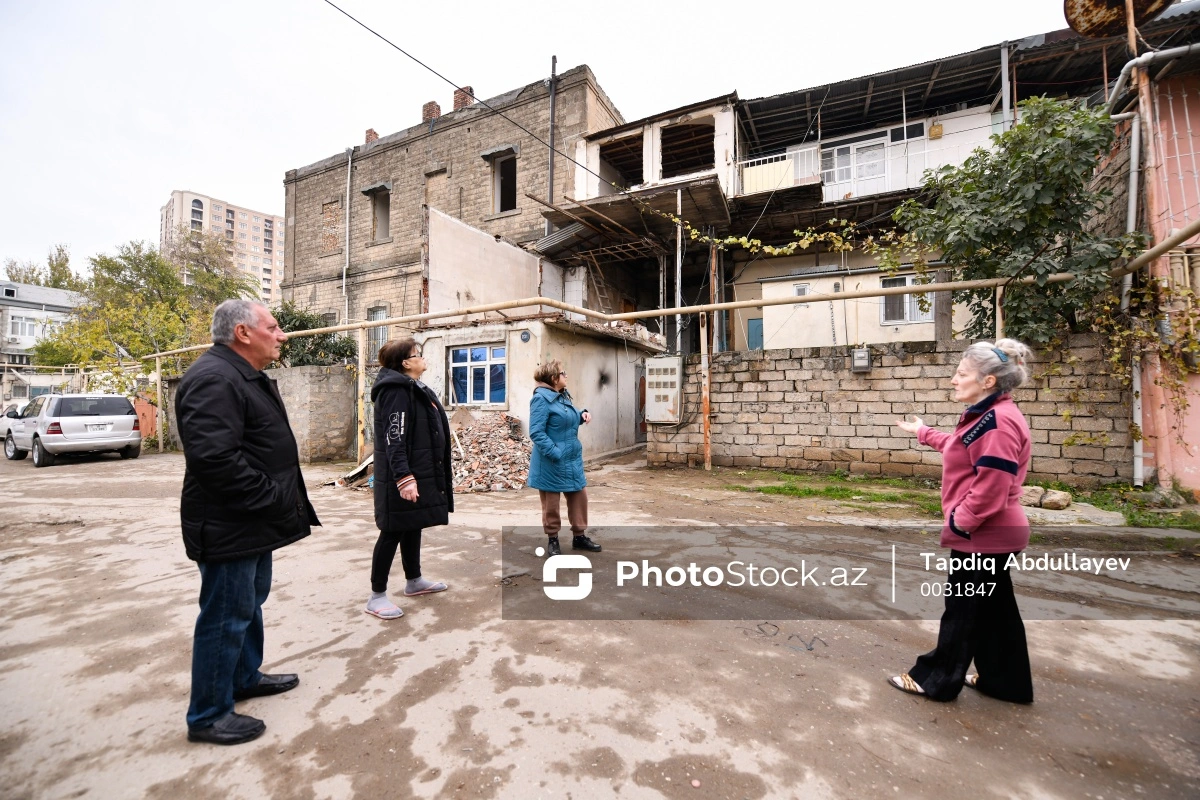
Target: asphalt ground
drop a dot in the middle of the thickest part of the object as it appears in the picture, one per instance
(458, 699)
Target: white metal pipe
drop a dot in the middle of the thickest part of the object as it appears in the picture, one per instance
(1173, 241)
(1135, 162)
(1006, 107)
(678, 269)
(1145, 61)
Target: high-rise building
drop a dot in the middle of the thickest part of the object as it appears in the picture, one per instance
(254, 239)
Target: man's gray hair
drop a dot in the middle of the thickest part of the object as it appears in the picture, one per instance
(229, 315)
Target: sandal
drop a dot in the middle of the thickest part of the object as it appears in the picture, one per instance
(906, 684)
(437, 587)
(972, 680)
(387, 612)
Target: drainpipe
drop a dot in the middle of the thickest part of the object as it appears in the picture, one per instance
(1145, 61)
(553, 90)
(1135, 162)
(346, 263)
(1163, 456)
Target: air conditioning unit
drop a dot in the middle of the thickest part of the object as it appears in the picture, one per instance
(13, 339)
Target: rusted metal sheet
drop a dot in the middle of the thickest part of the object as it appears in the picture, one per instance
(1097, 18)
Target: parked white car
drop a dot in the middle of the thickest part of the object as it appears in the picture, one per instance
(9, 413)
(53, 424)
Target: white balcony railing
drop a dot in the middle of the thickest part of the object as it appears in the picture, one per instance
(852, 171)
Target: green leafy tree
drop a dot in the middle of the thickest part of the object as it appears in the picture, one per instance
(136, 303)
(322, 349)
(57, 274)
(1026, 207)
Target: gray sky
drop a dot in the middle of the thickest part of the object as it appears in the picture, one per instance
(105, 107)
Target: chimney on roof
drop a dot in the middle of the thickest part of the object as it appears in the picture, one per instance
(371, 135)
(463, 97)
(430, 111)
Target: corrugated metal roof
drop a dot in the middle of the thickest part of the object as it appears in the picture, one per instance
(1058, 62)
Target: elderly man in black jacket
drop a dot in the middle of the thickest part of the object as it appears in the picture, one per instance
(243, 497)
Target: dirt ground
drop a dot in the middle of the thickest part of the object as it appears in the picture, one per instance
(98, 603)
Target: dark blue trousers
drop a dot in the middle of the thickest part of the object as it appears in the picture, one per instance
(227, 648)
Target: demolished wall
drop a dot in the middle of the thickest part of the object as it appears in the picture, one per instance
(804, 410)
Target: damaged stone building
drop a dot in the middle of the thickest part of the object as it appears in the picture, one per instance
(442, 216)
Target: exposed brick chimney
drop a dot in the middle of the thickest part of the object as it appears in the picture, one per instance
(463, 97)
(430, 110)
(371, 135)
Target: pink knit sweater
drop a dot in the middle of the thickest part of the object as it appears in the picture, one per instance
(983, 468)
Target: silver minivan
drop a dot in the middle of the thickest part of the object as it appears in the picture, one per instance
(53, 424)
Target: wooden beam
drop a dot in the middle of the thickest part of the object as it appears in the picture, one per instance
(569, 215)
(1060, 66)
(929, 86)
(607, 219)
(750, 119)
(870, 90)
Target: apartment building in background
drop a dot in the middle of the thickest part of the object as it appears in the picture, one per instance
(254, 239)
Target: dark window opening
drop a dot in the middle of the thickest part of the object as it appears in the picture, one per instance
(688, 148)
(914, 131)
(624, 156)
(381, 209)
(505, 173)
(893, 305)
(328, 320)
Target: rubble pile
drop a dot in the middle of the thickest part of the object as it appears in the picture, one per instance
(494, 455)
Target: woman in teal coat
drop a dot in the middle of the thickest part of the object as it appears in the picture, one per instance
(556, 466)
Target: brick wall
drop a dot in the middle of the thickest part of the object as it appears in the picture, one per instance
(438, 163)
(803, 410)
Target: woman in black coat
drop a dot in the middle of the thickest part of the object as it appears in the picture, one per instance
(413, 476)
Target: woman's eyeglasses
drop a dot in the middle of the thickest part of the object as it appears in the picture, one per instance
(562, 374)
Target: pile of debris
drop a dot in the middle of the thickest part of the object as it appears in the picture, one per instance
(491, 454)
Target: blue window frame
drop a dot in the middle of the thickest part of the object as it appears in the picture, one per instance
(478, 375)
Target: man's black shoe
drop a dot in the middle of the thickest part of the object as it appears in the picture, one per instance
(552, 548)
(584, 543)
(233, 728)
(269, 684)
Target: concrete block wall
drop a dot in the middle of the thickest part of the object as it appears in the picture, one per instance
(438, 163)
(803, 410)
(320, 406)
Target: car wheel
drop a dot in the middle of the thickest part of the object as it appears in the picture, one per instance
(133, 451)
(10, 449)
(41, 458)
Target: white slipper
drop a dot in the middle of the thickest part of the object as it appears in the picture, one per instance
(437, 587)
(387, 612)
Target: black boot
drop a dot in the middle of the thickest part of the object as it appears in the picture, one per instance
(582, 542)
(552, 548)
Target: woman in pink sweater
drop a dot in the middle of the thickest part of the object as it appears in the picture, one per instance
(983, 468)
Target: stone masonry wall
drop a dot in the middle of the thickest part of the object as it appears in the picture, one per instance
(439, 163)
(804, 410)
(320, 406)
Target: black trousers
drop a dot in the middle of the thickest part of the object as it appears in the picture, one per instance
(409, 543)
(983, 627)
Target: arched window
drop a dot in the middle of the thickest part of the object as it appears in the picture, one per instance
(198, 204)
